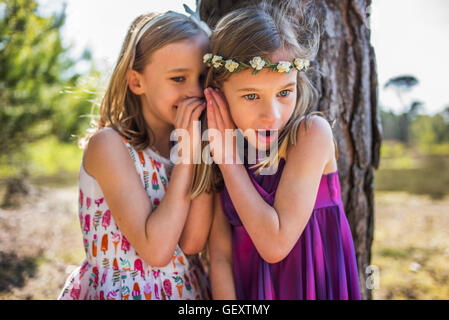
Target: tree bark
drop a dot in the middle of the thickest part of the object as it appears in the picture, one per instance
(347, 86)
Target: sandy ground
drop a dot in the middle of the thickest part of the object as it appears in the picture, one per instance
(411, 246)
(41, 243)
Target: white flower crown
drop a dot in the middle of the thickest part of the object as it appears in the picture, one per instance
(256, 63)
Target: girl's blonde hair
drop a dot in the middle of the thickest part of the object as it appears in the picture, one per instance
(260, 30)
(120, 108)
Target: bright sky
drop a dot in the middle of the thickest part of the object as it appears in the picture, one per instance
(409, 36)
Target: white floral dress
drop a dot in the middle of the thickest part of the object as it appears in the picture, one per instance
(112, 269)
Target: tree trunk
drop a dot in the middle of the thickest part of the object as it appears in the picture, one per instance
(348, 93)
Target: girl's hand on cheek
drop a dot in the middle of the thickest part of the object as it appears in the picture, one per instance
(220, 124)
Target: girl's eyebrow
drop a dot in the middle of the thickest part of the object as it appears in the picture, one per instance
(248, 89)
(288, 85)
(178, 70)
(254, 89)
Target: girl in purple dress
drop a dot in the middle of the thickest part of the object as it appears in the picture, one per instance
(279, 234)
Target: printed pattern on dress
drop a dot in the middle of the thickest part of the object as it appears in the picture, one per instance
(113, 270)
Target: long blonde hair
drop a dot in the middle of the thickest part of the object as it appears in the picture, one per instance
(260, 30)
(120, 108)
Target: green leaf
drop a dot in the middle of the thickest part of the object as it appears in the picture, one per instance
(40, 93)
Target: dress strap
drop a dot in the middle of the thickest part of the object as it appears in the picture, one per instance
(134, 156)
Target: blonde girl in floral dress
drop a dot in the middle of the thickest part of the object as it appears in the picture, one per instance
(141, 230)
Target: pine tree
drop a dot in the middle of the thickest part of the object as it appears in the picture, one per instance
(41, 94)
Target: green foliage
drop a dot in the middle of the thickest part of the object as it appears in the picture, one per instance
(29, 78)
(392, 149)
(57, 157)
(410, 127)
(40, 93)
(71, 116)
(395, 127)
(423, 132)
(416, 130)
(414, 170)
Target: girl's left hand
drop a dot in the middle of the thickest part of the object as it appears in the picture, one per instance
(219, 121)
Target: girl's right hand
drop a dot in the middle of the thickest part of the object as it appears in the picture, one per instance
(219, 119)
(189, 110)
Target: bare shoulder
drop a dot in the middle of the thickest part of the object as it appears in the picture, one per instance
(316, 132)
(314, 142)
(105, 135)
(315, 127)
(104, 148)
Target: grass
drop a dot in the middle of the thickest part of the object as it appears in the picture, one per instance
(410, 170)
(46, 162)
(58, 164)
(411, 232)
(411, 246)
(41, 243)
(48, 159)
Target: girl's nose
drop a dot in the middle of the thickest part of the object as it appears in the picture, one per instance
(195, 90)
(270, 114)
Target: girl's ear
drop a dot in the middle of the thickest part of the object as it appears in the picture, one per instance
(135, 82)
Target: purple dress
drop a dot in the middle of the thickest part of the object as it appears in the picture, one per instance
(321, 265)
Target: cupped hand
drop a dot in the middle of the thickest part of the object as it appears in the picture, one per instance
(220, 126)
(189, 111)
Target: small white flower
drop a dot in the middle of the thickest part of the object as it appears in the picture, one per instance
(217, 61)
(257, 63)
(231, 65)
(284, 66)
(301, 64)
(207, 57)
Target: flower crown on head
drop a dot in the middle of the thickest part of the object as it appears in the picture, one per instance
(256, 63)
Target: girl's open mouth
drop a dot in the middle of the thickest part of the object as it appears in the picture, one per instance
(267, 136)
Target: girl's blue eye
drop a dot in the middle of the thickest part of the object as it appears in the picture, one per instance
(251, 96)
(178, 79)
(284, 93)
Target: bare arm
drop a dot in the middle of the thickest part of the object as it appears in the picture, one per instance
(198, 224)
(107, 160)
(220, 248)
(275, 229)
